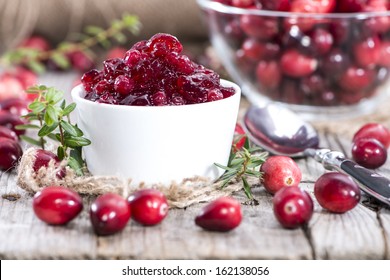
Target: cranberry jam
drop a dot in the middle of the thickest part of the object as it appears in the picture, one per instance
(154, 73)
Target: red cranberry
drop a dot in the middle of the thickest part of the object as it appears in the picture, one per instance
(43, 159)
(57, 205)
(15, 105)
(10, 153)
(8, 133)
(239, 138)
(295, 64)
(374, 130)
(336, 192)
(148, 207)
(279, 172)
(369, 153)
(81, 61)
(10, 120)
(351, 6)
(11, 86)
(243, 3)
(335, 63)
(259, 27)
(356, 78)
(367, 52)
(276, 5)
(313, 6)
(26, 77)
(109, 214)
(384, 54)
(161, 44)
(268, 74)
(90, 79)
(312, 85)
(321, 41)
(37, 43)
(116, 52)
(292, 207)
(222, 214)
(256, 50)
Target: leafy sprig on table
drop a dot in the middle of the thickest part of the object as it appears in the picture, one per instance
(93, 36)
(243, 163)
(50, 115)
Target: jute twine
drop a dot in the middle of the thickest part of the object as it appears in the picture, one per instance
(179, 195)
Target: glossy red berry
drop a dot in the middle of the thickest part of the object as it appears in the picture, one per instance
(109, 214)
(10, 153)
(296, 64)
(15, 105)
(374, 130)
(369, 153)
(43, 159)
(10, 120)
(222, 214)
(36, 42)
(292, 207)
(8, 133)
(279, 172)
(336, 192)
(57, 205)
(148, 207)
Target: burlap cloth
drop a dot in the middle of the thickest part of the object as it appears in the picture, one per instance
(58, 19)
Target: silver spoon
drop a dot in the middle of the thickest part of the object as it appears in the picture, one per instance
(280, 131)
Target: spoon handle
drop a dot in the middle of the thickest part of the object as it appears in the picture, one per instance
(369, 181)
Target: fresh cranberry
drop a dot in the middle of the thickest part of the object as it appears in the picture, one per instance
(351, 6)
(239, 138)
(81, 61)
(367, 52)
(312, 85)
(259, 27)
(313, 6)
(15, 105)
(292, 207)
(36, 42)
(384, 54)
(43, 159)
(222, 214)
(10, 120)
(356, 78)
(369, 153)
(8, 133)
(373, 130)
(335, 63)
(268, 74)
(26, 77)
(276, 5)
(279, 172)
(295, 64)
(243, 3)
(336, 192)
(148, 207)
(109, 214)
(57, 205)
(377, 24)
(116, 52)
(256, 50)
(11, 86)
(321, 41)
(10, 153)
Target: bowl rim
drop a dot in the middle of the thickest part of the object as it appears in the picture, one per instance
(78, 93)
(219, 7)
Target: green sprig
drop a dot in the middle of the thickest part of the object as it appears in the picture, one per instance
(243, 163)
(52, 114)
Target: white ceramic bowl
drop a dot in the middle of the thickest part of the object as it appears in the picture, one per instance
(158, 144)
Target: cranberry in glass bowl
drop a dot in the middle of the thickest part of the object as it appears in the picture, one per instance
(154, 116)
(322, 59)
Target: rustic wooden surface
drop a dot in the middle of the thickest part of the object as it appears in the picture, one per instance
(363, 233)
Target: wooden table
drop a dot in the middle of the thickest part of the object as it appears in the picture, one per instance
(363, 233)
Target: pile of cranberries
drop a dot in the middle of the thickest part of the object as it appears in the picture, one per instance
(109, 213)
(154, 73)
(321, 61)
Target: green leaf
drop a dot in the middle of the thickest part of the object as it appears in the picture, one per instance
(46, 130)
(61, 60)
(53, 96)
(36, 66)
(61, 152)
(94, 30)
(223, 167)
(72, 130)
(53, 136)
(75, 165)
(26, 126)
(30, 140)
(36, 107)
(69, 109)
(120, 38)
(51, 115)
(74, 142)
(247, 188)
(62, 106)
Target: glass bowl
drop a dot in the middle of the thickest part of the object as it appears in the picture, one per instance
(320, 65)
